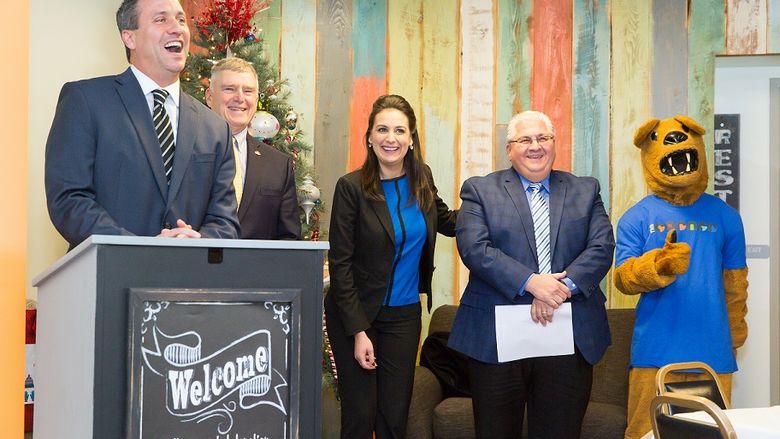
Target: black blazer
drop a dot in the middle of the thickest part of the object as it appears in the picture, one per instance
(269, 204)
(362, 249)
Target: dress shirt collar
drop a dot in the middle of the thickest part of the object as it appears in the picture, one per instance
(526, 182)
(148, 85)
(241, 138)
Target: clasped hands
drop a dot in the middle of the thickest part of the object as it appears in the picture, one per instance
(182, 230)
(549, 293)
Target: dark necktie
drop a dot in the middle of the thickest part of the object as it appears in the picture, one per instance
(162, 125)
(540, 213)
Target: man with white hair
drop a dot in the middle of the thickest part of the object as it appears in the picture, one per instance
(265, 179)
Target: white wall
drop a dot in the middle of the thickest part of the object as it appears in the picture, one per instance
(69, 40)
(742, 87)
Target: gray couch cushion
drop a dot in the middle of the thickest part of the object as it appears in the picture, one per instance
(427, 395)
(453, 418)
(610, 375)
(604, 421)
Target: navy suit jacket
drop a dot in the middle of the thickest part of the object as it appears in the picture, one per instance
(495, 237)
(104, 171)
(269, 203)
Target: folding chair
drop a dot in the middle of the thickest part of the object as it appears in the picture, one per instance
(668, 426)
(709, 388)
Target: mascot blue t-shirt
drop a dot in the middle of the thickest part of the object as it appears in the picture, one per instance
(693, 306)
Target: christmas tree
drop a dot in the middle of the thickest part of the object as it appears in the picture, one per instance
(224, 28)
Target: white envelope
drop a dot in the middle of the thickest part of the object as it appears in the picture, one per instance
(518, 337)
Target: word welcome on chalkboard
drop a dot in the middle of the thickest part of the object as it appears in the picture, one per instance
(213, 364)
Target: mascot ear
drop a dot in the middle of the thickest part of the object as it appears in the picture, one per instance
(641, 134)
(690, 123)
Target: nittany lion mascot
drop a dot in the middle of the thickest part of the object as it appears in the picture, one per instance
(683, 251)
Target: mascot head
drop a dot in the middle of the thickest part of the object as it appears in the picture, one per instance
(673, 158)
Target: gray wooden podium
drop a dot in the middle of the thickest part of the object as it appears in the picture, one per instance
(143, 337)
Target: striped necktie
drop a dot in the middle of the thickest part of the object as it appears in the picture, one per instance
(540, 213)
(164, 130)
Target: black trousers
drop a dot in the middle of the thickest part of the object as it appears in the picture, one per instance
(555, 390)
(377, 400)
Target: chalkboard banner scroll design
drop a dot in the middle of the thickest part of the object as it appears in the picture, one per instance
(212, 363)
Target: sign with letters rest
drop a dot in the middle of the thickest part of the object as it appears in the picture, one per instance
(213, 364)
(727, 158)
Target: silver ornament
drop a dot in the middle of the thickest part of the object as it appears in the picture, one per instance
(291, 120)
(263, 125)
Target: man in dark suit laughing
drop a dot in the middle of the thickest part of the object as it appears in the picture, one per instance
(132, 154)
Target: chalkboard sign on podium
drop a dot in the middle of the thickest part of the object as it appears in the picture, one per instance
(213, 363)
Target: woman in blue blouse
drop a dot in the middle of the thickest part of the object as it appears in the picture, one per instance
(382, 234)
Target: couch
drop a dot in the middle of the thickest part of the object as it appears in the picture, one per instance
(433, 417)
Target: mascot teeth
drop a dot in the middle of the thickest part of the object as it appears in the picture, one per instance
(680, 162)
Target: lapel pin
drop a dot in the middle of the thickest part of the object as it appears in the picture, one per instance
(257, 153)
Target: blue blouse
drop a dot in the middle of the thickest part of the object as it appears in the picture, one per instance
(410, 234)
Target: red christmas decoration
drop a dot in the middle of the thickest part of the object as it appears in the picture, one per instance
(231, 16)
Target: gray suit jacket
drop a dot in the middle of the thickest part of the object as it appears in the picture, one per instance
(495, 237)
(269, 204)
(104, 171)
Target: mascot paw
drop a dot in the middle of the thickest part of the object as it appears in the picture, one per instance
(674, 257)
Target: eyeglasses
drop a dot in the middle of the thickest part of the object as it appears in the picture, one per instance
(528, 141)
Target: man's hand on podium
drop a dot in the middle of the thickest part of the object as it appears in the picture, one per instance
(182, 230)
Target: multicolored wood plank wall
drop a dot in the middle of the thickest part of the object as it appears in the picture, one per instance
(599, 68)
